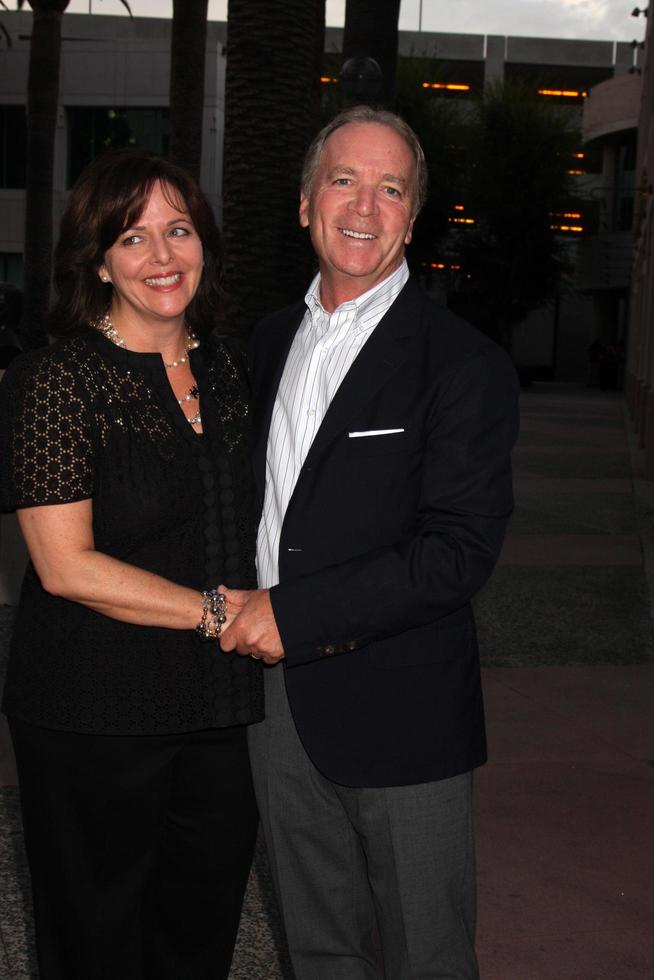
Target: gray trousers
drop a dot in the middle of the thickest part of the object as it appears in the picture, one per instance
(356, 868)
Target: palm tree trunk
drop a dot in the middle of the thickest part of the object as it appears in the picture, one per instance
(187, 61)
(371, 30)
(42, 101)
(274, 54)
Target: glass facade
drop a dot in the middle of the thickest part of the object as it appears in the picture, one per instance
(623, 205)
(92, 129)
(11, 268)
(13, 146)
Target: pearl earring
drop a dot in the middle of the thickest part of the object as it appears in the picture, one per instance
(105, 278)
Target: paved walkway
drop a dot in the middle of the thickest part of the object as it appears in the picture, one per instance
(564, 808)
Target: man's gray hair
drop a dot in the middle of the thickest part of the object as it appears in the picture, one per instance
(366, 114)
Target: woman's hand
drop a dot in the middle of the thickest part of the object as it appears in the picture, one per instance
(253, 629)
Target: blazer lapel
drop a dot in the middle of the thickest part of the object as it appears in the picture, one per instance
(376, 363)
(379, 359)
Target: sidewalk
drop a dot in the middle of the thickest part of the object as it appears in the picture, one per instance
(564, 807)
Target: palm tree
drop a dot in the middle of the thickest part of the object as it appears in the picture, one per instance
(187, 60)
(42, 100)
(274, 55)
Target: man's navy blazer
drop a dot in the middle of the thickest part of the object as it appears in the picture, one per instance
(385, 541)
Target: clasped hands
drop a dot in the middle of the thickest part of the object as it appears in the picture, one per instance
(251, 628)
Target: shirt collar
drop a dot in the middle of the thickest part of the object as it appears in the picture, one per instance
(380, 297)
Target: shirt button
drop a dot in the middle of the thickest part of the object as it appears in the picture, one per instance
(311, 411)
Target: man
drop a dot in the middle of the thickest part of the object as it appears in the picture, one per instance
(383, 432)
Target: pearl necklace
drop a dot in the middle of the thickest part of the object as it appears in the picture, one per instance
(184, 358)
(192, 395)
(106, 327)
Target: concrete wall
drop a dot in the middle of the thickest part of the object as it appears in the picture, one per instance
(639, 381)
(109, 61)
(557, 337)
(560, 51)
(125, 62)
(612, 107)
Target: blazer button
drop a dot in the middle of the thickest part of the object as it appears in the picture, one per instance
(351, 645)
(329, 649)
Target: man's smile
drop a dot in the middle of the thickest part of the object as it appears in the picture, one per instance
(350, 233)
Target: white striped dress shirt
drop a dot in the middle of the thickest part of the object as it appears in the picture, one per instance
(321, 354)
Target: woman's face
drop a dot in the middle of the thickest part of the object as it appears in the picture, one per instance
(156, 265)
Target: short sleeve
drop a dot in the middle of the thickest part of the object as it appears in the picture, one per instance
(45, 438)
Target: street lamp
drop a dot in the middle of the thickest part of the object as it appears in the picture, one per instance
(361, 78)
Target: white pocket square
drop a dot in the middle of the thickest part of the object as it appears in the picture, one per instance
(374, 432)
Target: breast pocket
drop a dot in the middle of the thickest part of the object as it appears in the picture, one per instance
(379, 442)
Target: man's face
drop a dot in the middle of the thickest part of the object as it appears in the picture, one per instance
(360, 210)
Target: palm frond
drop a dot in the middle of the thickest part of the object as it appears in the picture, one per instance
(127, 7)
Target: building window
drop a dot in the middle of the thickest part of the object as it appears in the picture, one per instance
(625, 180)
(560, 84)
(13, 146)
(11, 268)
(94, 129)
(443, 78)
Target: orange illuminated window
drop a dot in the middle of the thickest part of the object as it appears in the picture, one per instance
(574, 228)
(441, 266)
(447, 86)
(563, 93)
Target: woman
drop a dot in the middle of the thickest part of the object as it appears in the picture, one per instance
(124, 452)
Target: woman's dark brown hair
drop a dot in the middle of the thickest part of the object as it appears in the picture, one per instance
(109, 197)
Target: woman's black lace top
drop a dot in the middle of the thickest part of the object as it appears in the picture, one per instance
(86, 419)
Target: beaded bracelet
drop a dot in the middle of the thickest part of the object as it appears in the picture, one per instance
(214, 606)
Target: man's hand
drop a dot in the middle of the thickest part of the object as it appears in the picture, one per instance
(253, 629)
